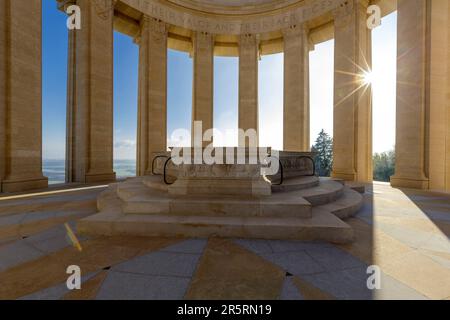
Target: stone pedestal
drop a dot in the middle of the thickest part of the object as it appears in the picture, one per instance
(296, 89)
(90, 107)
(352, 148)
(152, 115)
(227, 200)
(237, 173)
(248, 82)
(21, 96)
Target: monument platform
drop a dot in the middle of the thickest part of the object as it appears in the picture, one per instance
(226, 200)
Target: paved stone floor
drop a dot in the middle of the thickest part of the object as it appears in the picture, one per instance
(405, 233)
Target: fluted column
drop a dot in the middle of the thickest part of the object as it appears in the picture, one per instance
(203, 86)
(248, 82)
(296, 89)
(90, 101)
(423, 95)
(70, 99)
(21, 96)
(152, 115)
(447, 118)
(352, 147)
(3, 104)
(410, 167)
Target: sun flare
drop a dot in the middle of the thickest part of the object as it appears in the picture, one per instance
(368, 78)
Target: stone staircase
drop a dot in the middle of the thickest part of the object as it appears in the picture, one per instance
(302, 208)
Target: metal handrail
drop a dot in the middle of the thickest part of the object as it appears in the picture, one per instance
(153, 164)
(313, 163)
(281, 172)
(281, 169)
(165, 173)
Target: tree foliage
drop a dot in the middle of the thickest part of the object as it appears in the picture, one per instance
(383, 163)
(383, 166)
(324, 154)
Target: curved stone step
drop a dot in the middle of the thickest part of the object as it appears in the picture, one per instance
(156, 182)
(322, 226)
(158, 203)
(134, 187)
(137, 198)
(326, 192)
(109, 199)
(356, 186)
(347, 205)
(297, 183)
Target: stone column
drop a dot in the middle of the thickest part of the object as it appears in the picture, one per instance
(423, 95)
(203, 86)
(411, 159)
(248, 82)
(352, 97)
(447, 154)
(152, 115)
(296, 89)
(70, 99)
(3, 67)
(21, 96)
(90, 118)
(439, 95)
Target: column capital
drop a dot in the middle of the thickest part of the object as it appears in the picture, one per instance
(104, 8)
(248, 40)
(202, 41)
(346, 8)
(157, 29)
(295, 30)
(64, 4)
(202, 37)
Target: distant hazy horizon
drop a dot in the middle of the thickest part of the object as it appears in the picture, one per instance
(55, 169)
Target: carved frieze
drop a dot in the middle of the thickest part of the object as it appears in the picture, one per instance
(216, 24)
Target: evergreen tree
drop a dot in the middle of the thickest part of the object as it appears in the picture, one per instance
(324, 154)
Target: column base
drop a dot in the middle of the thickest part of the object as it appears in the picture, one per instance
(100, 177)
(344, 176)
(11, 186)
(401, 182)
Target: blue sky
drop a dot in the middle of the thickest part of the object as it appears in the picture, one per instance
(225, 90)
